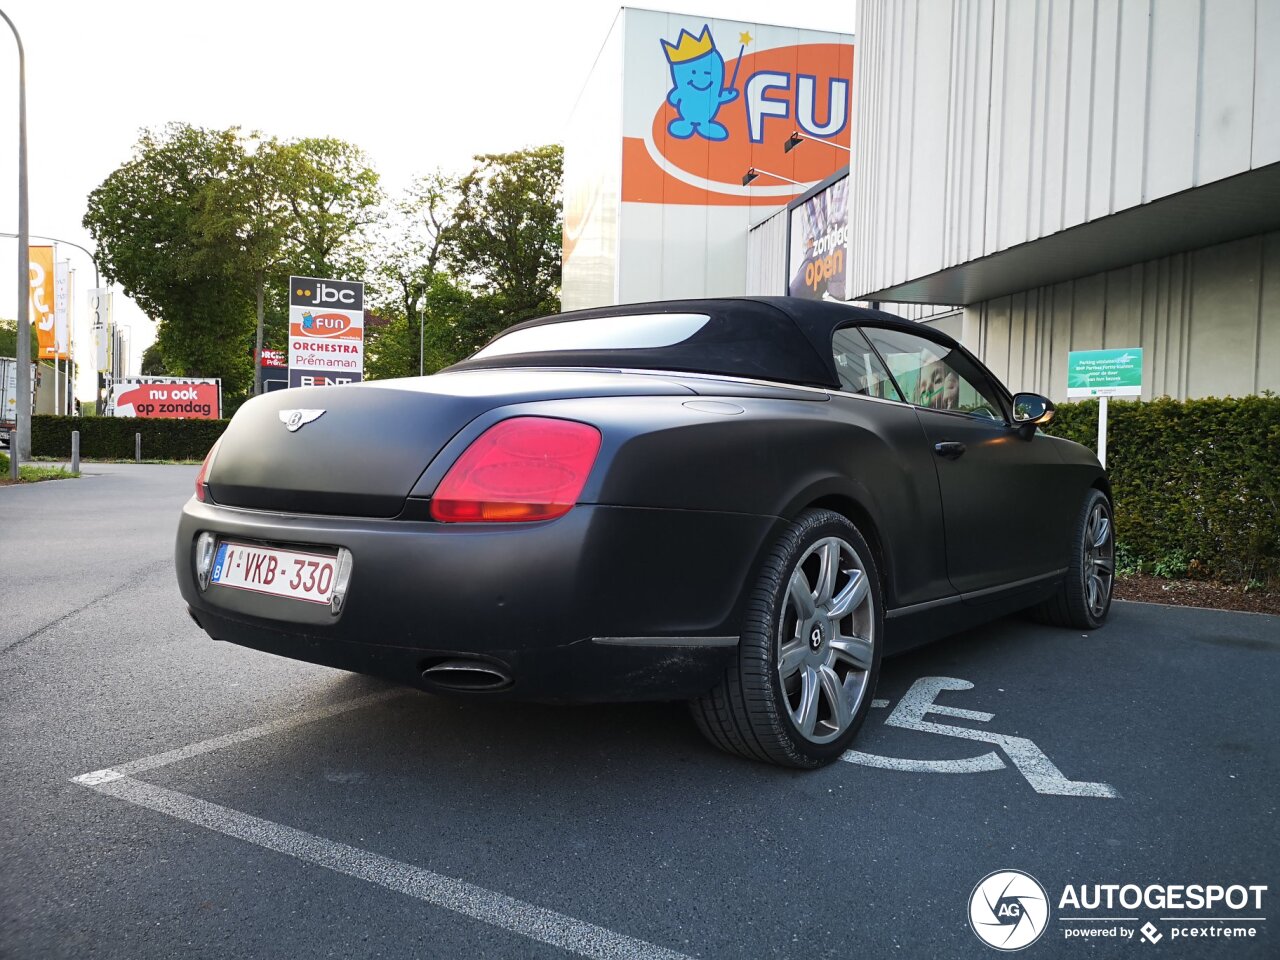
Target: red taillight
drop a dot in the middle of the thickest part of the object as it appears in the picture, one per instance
(526, 468)
(202, 478)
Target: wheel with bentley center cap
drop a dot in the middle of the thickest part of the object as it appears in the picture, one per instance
(1083, 599)
(809, 655)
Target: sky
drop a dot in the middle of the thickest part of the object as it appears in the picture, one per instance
(416, 85)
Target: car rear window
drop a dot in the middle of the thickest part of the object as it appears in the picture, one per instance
(730, 336)
(634, 332)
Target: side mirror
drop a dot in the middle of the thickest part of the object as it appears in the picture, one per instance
(1030, 410)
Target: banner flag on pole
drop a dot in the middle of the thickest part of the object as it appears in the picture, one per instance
(61, 307)
(42, 306)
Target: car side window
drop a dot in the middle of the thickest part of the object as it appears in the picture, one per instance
(935, 376)
(858, 367)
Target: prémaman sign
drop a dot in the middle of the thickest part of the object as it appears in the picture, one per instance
(326, 331)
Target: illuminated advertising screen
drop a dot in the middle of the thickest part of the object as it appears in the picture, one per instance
(819, 244)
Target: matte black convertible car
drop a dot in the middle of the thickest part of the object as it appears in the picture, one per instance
(743, 502)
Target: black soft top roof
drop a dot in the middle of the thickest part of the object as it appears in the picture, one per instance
(766, 338)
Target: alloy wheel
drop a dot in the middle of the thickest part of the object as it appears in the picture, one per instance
(826, 640)
(1099, 559)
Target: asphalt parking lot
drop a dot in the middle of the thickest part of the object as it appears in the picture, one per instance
(167, 795)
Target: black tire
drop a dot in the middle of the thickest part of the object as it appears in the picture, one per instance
(1084, 598)
(752, 710)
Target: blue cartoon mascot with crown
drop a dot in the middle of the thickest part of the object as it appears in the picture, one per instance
(698, 91)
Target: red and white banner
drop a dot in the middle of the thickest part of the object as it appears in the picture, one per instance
(165, 398)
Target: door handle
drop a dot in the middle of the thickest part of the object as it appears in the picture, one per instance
(951, 449)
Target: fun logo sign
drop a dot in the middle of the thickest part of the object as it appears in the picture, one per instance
(311, 324)
(698, 91)
(721, 116)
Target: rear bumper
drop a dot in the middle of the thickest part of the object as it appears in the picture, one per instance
(605, 603)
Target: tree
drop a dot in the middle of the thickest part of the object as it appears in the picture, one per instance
(411, 247)
(251, 204)
(203, 228)
(506, 236)
(9, 339)
(153, 364)
(390, 349)
(158, 225)
(333, 195)
(458, 322)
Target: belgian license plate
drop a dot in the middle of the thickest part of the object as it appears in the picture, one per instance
(281, 573)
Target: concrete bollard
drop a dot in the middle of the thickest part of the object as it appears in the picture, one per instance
(75, 452)
(137, 448)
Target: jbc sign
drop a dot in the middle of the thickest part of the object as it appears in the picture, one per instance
(326, 332)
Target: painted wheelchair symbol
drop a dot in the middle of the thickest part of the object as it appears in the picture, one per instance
(1026, 757)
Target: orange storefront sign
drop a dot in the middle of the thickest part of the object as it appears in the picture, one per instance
(698, 155)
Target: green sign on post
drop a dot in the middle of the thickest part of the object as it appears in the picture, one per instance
(1105, 373)
(1102, 374)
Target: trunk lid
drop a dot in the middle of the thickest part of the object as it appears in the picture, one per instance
(363, 454)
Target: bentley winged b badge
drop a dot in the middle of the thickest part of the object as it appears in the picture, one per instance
(296, 419)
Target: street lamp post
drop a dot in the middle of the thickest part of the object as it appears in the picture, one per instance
(85, 250)
(22, 449)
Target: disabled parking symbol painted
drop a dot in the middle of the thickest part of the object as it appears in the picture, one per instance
(1027, 758)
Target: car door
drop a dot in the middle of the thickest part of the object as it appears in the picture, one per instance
(902, 483)
(1002, 492)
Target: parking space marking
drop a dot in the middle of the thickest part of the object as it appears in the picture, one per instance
(241, 736)
(458, 896)
(1026, 757)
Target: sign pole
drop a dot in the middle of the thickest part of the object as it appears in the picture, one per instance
(1102, 431)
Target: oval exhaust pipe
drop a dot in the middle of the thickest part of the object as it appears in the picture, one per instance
(467, 675)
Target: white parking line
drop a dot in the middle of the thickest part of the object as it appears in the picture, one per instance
(459, 896)
(496, 909)
(249, 733)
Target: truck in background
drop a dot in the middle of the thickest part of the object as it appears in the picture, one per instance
(9, 396)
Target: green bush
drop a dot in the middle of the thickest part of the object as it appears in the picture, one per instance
(1196, 483)
(111, 438)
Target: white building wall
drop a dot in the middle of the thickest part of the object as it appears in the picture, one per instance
(767, 257)
(1208, 322)
(980, 125)
(592, 182)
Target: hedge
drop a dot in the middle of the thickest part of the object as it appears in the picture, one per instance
(1196, 483)
(111, 438)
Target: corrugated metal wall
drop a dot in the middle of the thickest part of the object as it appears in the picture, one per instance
(767, 257)
(1208, 322)
(983, 124)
